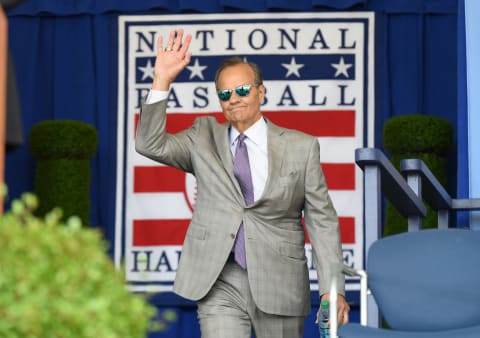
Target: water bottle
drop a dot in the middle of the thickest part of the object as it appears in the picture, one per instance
(323, 319)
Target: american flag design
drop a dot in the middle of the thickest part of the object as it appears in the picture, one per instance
(318, 71)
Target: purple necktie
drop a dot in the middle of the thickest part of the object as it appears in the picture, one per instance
(241, 170)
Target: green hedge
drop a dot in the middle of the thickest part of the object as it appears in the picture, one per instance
(417, 134)
(428, 138)
(63, 149)
(63, 139)
(58, 281)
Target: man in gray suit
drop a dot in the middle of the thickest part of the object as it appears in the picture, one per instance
(264, 285)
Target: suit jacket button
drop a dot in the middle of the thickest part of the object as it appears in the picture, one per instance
(232, 235)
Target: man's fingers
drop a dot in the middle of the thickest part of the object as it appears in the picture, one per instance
(178, 40)
(342, 312)
(345, 318)
(159, 43)
(186, 44)
(171, 39)
(187, 58)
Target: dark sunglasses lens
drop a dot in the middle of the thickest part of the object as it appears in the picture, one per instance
(225, 94)
(243, 90)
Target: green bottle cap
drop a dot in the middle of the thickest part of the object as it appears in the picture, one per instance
(324, 304)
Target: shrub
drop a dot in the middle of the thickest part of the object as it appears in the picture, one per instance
(63, 149)
(58, 281)
(423, 137)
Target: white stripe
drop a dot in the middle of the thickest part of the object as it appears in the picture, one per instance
(171, 205)
(338, 149)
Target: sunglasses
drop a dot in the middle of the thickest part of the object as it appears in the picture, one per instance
(243, 90)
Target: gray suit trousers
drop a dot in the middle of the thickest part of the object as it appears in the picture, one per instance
(229, 311)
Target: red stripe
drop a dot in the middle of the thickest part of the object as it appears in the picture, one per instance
(339, 123)
(153, 232)
(149, 232)
(347, 229)
(334, 123)
(339, 176)
(157, 179)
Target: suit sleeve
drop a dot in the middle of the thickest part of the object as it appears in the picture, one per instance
(153, 141)
(322, 223)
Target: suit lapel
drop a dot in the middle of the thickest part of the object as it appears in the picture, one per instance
(223, 146)
(276, 150)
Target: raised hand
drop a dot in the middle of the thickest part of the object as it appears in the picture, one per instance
(171, 59)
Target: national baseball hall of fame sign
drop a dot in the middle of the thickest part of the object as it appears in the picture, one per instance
(318, 71)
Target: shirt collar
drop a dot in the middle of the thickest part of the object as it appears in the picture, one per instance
(256, 133)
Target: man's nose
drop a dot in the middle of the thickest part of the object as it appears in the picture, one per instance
(234, 97)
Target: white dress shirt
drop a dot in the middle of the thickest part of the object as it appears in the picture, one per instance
(256, 142)
(155, 96)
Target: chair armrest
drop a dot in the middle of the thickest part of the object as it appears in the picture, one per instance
(348, 271)
(393, 185)
(433, 191)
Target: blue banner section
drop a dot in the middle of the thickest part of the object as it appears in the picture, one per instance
(274, 67)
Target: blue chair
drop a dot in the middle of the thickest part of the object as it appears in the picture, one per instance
(426, 285)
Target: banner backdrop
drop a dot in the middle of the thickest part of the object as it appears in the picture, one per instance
(319, 75)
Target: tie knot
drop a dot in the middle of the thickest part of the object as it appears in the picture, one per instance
(241, 138)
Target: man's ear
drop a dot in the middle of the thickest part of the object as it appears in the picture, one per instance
(263, 92)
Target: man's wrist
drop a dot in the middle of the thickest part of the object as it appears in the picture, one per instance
(155, 96)
(161, 85)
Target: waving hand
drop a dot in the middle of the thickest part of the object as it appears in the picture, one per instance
(171, 59)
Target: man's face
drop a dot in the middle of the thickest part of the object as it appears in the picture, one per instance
(241, 111)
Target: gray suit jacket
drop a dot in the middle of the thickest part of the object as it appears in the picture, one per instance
(275, 238)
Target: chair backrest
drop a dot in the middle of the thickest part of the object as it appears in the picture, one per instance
(427, 280)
